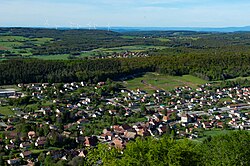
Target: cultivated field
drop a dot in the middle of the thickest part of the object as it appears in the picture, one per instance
(52, 57)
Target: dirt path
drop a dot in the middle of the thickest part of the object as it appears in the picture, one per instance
(149, 85)
(3, 48)
(185, 83)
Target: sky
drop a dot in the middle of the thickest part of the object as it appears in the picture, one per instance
(124, 13)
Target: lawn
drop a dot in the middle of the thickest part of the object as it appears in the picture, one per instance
(153, 81)
(213, 133)
(12, 87)
(217, 132)
(38, 151)
(35, 106)
(234, 79)
(6, 110)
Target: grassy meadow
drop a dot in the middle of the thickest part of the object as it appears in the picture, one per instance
(12, 44)
(152, 81)
(6, 110)
(52, 57)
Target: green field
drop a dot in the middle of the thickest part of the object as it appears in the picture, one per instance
(6, 110)
(153, 81)
(11, 43)
(128, 37)
(163, 39)
(52, 57)
(234, 79)
(213, 133)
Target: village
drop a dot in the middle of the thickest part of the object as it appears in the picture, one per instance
(63, 120)
(125, 54)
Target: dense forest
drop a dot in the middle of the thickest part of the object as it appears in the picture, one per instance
(208, 67)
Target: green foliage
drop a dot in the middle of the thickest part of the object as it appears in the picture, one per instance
(77, 161)
(41, 157)
(48, 161)
(1, 160)
(103, 154)
(61, 163)
(229, 149)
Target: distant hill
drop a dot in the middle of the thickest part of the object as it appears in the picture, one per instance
(201, 29)
(72, 41)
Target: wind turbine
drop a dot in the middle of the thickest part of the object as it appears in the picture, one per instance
(56, 26)
(46, 23)
(78, 26)
(108, 26)
(89, 25)
(71, 25)
(94, 26)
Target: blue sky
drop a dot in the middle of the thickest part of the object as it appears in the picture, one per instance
(132, 13)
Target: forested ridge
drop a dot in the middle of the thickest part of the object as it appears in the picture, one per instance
(209, 67)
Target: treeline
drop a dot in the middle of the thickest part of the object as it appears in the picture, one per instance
(208, 67)
(32, 70)
(224, 150)
(173, 33)
(197, 40)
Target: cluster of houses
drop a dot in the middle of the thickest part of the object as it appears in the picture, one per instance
(182, 112)
(126, 54)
